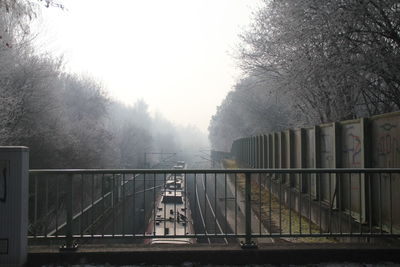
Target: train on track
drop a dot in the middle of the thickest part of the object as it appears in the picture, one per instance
(172, 214)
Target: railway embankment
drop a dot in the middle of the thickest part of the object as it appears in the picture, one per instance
(273, 212)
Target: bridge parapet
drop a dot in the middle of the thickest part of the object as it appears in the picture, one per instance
(102, 201)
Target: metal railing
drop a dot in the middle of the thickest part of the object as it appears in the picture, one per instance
(70, 206)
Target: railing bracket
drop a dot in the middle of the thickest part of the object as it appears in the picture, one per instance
(250, 245)
(65, 248)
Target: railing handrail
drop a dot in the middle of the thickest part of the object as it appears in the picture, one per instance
(313, 202)
(207, 171)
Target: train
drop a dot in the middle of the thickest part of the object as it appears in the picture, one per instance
(172, 214)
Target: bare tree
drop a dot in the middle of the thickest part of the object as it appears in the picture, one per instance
(335, 58)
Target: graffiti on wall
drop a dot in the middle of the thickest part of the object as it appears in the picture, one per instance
(388, 146)
(352, 148)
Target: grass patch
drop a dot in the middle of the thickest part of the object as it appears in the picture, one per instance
(230, 164)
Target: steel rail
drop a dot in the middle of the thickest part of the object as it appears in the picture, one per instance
(212, 171)
(237, 235)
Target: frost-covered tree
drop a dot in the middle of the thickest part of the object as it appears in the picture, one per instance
(67, 120)
(336, 59)
(253, 107)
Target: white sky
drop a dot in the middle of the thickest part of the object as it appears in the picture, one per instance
(174, 54)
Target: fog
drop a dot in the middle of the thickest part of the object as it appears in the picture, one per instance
(175, 55)
(129, 84)
(74, 120)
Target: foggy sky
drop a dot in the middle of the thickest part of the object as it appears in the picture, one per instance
(172, 54)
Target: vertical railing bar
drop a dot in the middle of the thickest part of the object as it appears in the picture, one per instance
(380, 203)
(259, 192)
(195, 196)
(280, 204)
(248, 207)
(236, 204)
(360, 203)
(155, 205)
(118, 192)
(103, 204)
(205, 203)
(319, 203)
(226, 216)
(134, 204)
(339, 199)
(350, 208)
(301, 175)
(57, 196)
(123, 204)
(175, 215)
(144, 204)
(113, 204)
(309, 202)
(369, 202)
(70, 199)
(290, 204)
(92, 209)
(270, 204)
(165, 205)
(36, 207)
(47, 205)
(330, 203)
(215, 204)
(81, 217)
(390, 203)
(184, 181)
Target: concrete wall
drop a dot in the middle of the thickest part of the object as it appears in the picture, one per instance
(385, 153)
(362, 143)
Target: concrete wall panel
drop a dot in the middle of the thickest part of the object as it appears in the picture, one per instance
(385, 144)
(361, 143)
(352, 186)
(297, 155)
(310, 147)
(325, 186)
(310, 160)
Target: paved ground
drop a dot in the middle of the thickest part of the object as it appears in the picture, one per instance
(217, 255)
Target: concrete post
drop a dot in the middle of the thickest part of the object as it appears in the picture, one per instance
(248, 151)
(253, 153)
(317, 162)
(270, 152)
(365, 163)
(337, 164)
(14, 175)
(274, 152)
(266, 154)
(262, 151)
(290, 156)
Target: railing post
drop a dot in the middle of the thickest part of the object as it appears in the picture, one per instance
(14, 191)
(69, 244)
(248, 243)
